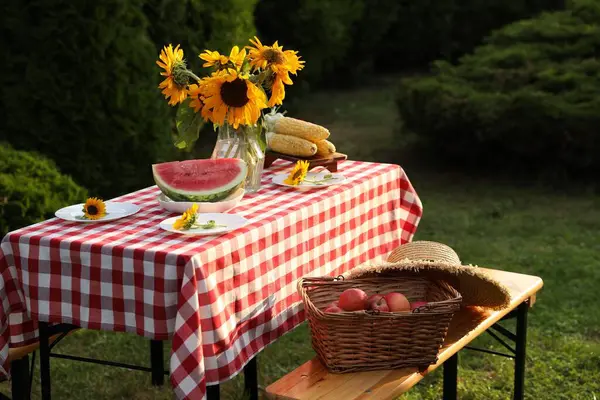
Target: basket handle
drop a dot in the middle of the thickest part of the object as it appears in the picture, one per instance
(424, 250)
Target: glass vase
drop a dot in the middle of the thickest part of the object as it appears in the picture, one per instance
(243, 143)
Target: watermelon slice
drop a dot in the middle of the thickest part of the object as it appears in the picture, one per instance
(200, 180)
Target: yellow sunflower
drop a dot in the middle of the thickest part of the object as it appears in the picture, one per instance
(94, 208)
(236, 57)
(280, 62)
(187, 219)
(214, 58)
(278, 90)
(174, 87)
(197, 101)
(273, 57)
(231, 97)
(298, 173)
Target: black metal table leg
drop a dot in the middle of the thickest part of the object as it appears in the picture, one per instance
(157, 362)
(520, 351)
(20, 388)
(45, 360)
(251, 379)
(450, 377)
(213, 392)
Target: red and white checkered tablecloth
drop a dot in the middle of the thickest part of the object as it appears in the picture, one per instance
(221, 299)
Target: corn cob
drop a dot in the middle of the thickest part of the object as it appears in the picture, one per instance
(292, 145)
(325, 148)
(301, 129)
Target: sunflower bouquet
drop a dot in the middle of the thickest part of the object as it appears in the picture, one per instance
(234, 91)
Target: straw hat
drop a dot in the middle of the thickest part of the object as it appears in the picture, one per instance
(437, 261)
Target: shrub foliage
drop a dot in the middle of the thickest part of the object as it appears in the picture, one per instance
(32, 189)
(344, 39)
(319, 29)
(200, 25)
(427, 30)
(81, 88)
(532, 93)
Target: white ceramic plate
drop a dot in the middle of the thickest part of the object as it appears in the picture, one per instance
(337, 179)
(114, 211)
(216, 207)
(231, 222)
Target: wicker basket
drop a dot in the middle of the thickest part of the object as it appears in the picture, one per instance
(365, 340)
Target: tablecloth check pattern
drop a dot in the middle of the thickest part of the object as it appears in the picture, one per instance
(221, 299)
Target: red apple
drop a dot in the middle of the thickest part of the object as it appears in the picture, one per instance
(353, 300)
(397, 302)
(377, 302)
(333, 309)
(417, 304)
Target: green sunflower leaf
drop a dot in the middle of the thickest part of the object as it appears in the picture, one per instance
(188, 124)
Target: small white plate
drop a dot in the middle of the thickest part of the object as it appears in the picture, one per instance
(114, 211)
(216, 207)
(231, 222)
(337, 179)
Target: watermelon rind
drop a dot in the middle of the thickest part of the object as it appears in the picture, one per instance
(209, 196)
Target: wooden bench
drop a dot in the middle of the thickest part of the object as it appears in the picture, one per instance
(311, 381)
(20, 369)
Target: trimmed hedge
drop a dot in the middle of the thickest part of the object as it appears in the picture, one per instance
(32, 189)
(530, 94)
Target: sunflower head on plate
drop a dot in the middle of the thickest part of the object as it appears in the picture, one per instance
(297, 174)
(187, 219)
(94, 208)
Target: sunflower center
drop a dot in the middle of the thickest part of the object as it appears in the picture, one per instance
(297, 175)
(92, 210)
(273, 56)
(235, 93)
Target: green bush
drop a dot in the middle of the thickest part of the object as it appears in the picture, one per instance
(530, 94)
(368, 35)
(342, 41)
(321, 31)
(427, 30)
(80, 87)
(201, 24)
(32, 189)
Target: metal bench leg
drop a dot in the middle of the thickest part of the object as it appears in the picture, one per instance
(20, 387)
(213, 392)
(450, 377)
(45, 360)
(521, 344)
(157, 362)
(251, 379)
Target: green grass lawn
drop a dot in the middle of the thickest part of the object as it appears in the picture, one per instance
(495, 222)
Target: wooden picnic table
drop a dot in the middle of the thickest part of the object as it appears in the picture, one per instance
(221, 299)
(312, 380)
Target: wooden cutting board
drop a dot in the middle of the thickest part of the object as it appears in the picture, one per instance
(330, 162)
